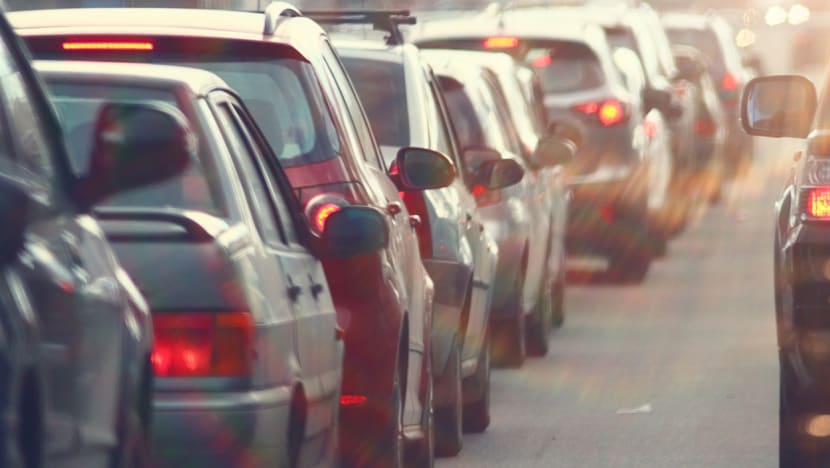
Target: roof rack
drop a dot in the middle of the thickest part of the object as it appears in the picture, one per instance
(381, 20)
(276, 10)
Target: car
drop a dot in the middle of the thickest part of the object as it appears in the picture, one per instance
(786, 106)
(711, 125)
(405, 107)
(75, 333)
(620, 180)
(713, 36)
(524, 291)
(287, 73)
(246, 341)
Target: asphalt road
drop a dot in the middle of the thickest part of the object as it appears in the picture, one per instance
(691, 353)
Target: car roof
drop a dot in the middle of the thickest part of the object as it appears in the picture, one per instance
(685, 21)
(369, 49)
(295, 31)
(195, 80)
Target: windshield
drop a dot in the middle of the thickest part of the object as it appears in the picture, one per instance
(78, 104)
(703, 40)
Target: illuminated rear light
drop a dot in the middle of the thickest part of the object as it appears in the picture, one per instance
(818, 203)
(485, 197)
(729, 82)
(203, 344)
(352, 400)
(320, 208)
(542, 61)
(108, 45)
(705, 127)
(609, 112)
(500, 42)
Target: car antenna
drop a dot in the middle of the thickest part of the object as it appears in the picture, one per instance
(381, 20)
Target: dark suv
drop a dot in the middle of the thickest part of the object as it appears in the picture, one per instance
(288, 75)
(75, 333)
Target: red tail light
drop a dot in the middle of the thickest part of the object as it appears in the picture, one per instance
(319, 208)
(108, 45)
(542, 61)
(729, 82)
(500, 42)
(485, 197)
(352, 400)
(818, 203)
(609, 112)
(203, 344)
(705, 127)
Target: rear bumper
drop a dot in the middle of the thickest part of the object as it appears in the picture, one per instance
(221, 429)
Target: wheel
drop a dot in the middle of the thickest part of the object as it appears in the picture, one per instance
(133, 450)
(508, 335)
(795, 450)
(422, 454)
(477, 387)
(449, 437)
(541, 321)
(26, 449)
(630, 268)
(558, 300)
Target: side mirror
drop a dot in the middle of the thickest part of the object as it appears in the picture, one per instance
(660, 99)
(15, 206)
(778, 106)
(554, 151)
(495, 175)
(354, 230)
(135, 145)
(423, 169)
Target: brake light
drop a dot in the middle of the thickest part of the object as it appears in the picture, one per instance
(705, 127)
(609, 112)
(352, 400)
(203, 344)
(500, 42)
(818, 203)
(108, 45)
(729, 82)
(485, 197)
(320, 208)
(542, 61)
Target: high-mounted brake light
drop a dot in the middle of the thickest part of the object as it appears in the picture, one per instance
(500, 42)
(108, 45)
(203, 344)
(818, 203)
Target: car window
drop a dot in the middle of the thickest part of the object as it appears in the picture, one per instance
(703, 40)
(565, 66)
(468, 129)
(78, 103)
(381, 87)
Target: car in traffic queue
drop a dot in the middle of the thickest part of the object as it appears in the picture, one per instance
(619, 180)
(247, 356)
(524, 292)
(287, 73)
(405, 107)
(711, 123)
(75, 333)
(714, 37)
(786, 106)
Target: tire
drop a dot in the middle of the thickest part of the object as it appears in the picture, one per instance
(631, 268)
(449, 437)
(794, 448)
(558, 300)
(26, 448)
(508, 345)
(477, 408)
(422, 454)
(133, 450)
(540, 324)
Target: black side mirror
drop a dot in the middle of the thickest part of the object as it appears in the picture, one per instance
(135, 145)
(554, 151)
(495, 175)
(423, 169)
(778, 106)
(354, 230)
(15, 206)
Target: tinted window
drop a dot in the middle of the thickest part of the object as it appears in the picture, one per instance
(565, 67)
(467, 128)
(78, 104)
(381, 88)
(702, 39)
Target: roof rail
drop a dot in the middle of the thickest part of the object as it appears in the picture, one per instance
(276, 10)
(381, 20)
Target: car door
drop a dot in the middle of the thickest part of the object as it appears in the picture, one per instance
(70, 270)
(317, 332)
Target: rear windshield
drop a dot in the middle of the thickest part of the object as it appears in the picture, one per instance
(565, 66)
(279, 88)
(381, 88)
(702, 39)
(78, 104)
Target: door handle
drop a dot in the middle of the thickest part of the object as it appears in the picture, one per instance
(316, 288)
(339, 333)
(293, 290)
(394, 208)
(414, 221)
